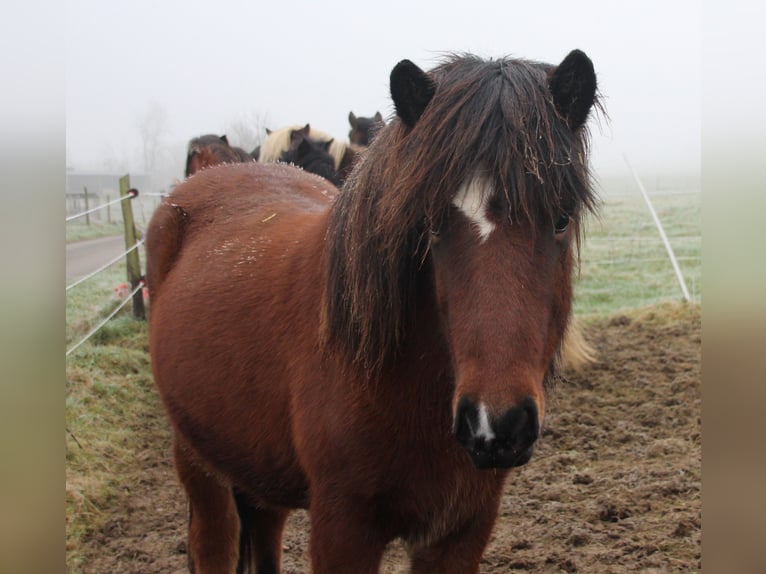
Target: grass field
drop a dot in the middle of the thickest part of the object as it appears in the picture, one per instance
(111, 404)
(624, 263)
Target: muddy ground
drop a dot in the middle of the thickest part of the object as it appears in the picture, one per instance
(614, 485)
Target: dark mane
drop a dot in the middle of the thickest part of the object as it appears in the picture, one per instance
(493, 119)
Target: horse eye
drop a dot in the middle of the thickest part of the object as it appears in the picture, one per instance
(562, 224)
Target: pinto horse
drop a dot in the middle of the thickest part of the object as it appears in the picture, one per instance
(207, 150)
(364, 129)
(379, 355)
(278, 142)
(311, 155)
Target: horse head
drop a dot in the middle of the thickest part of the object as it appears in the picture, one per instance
(477, 189)
(364, 129)
(502, 249)
(208, 150)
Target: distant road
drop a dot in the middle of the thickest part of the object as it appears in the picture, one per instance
(83, 257)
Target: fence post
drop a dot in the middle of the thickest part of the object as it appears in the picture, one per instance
(134, 265)
(108, 210)
(87, 208)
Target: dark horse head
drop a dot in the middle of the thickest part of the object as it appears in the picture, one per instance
(207, 150)
(311, 155)
(364, 129)
(470, 203)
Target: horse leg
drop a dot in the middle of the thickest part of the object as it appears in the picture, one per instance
(213, 521)
(260, 548)
(460, 551)
(343, 540)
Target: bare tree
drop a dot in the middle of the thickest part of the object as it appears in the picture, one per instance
(247, 130)
(114, 160)
(152, 126)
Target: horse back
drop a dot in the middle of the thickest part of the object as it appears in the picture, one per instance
(223, 194)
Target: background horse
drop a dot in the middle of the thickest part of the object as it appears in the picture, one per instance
(364, 129)
(278, 141)
(210, 149)
(311, 155)
(379, 355)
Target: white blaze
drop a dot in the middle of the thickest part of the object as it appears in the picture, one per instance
(472, 199)
(485, 429)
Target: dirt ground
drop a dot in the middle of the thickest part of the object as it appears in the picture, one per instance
(614, 485)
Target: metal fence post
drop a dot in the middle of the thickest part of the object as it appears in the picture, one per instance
(663, 236)
(133, 263)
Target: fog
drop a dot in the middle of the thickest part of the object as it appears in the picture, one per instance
(236, 67)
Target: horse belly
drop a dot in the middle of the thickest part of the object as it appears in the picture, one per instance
(236, 426)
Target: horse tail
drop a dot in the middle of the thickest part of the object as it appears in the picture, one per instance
(163, 243)
(247, 558)
(576, 352)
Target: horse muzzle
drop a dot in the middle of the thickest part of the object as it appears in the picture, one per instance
(502, 442)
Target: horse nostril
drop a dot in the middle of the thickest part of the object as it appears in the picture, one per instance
(520, 426)
(502, 442)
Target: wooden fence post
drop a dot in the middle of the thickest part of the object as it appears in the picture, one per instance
(133, 262)
(108, 210)
(87, 215)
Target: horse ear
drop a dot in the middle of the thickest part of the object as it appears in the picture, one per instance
(411, 90)
(352, 119)
(378, 117)
(297, 137)
(573, 85)
(268, 132)
(224, 139)
(326, 145)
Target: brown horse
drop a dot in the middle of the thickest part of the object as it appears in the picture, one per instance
(205, 151)
(381, 355)
(364, 129)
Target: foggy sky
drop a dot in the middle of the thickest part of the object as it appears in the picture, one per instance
(206, 64)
